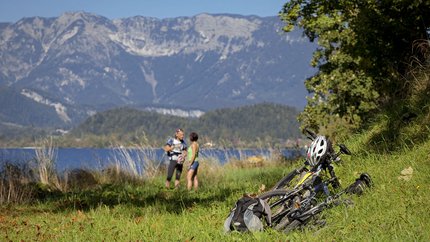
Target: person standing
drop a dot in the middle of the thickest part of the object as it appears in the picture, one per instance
(193, 158)
(176, 152)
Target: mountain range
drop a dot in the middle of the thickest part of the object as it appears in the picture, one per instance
(56, 72)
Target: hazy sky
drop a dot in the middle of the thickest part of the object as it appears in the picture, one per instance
(13, 10)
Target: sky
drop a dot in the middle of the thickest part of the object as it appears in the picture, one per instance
(13, 10)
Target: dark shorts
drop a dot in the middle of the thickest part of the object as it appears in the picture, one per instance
(172, 166)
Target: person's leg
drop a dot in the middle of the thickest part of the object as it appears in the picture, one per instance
(178, 174)
(196, 182)
(190, 179)
(170, 170)
(195, 179)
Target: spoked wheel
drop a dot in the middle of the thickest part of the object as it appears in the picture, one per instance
(283, 223)
(291, 226)
(285, 181)
(280, 203)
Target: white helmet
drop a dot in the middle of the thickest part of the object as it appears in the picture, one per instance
(317, 150)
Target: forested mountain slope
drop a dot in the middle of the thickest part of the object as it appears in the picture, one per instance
(243, 126)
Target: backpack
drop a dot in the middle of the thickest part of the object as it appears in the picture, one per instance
(246, 215)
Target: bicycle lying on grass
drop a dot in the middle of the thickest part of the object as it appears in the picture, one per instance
(295, 204)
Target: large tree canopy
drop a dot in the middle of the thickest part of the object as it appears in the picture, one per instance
(365, 48)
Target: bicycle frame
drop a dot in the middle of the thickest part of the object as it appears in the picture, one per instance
(306, 189)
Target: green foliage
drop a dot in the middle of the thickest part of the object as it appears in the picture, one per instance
(247, 124)
(366, 47)
(18, 136)
(406, 123)
(255, 125)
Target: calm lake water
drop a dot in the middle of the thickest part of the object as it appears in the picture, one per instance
(92, 158)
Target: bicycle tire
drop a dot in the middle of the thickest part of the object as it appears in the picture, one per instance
(284, 182)
(279, 203)
(291, 226)
(282, 224)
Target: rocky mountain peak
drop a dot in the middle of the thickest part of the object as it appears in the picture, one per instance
(188, 63)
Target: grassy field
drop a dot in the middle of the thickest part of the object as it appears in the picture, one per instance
(395, 209)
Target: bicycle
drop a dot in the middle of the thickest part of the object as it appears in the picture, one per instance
(292, 205)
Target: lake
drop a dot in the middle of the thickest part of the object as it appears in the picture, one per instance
(99, 158)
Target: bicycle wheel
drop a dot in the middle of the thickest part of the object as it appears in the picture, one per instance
(283, 223)
(291, 226)
(284, 183)
(299, 206)
(280, 202)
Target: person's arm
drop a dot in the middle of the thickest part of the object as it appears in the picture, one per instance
(184, 150)
(167, 148)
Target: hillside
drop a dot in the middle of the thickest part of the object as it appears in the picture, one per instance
(19, 108)
(259, 124)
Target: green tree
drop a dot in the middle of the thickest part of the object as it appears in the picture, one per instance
(365, 48)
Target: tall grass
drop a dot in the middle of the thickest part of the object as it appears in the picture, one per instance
(14, 181)
(23, 182)
(138, 163)
(46, 155)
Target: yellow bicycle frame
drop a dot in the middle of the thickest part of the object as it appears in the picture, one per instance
(304, 178)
